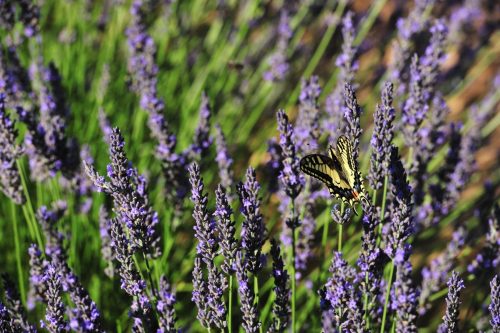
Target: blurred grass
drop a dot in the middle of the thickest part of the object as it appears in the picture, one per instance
(195, 44)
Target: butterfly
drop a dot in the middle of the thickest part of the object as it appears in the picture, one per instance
(338, 171)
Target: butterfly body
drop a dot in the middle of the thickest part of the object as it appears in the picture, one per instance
(338, 171)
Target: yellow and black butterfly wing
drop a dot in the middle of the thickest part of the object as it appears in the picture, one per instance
(349, 166)
(329, 171)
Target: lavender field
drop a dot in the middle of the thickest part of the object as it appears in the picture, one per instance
(152, 166)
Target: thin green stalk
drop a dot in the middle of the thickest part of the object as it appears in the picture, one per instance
(294, 282)
(387, 294)
(230, 305)
(340, 238)
(153, 288)
(17, 245)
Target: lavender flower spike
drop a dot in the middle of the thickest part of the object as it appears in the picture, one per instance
(381, 141)
(405, 299)
(15, 307)
(202, 139)
(54, 318)
(495, 304)
(227, 230)
(249, 309)
(307, 131)
(455, 285)
(165, 307)
(352, 116)
(200, 293)
(291, 177)
(10, 179)
(281, 307)
(205, 227)
(253, 231)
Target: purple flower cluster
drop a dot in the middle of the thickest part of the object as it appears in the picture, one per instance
(455, 285)
(129, 193)
(10, 179)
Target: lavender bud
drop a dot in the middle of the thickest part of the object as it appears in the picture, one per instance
(405, 298)
(30, 17)
(165, 307)
(37, 270)
(381, 141)
(10, 179)
(205, 227)
(249, 309)
(352, 116)
(54, 317)
(401, 226)
(253, 230)
(455, 285)
(290, 176)
(15, 308)
(227, 230)
(488, 258)
(200, 294)
(281, 307)
(5, 320)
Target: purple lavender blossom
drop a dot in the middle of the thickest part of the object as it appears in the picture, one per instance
(37, 270)
(381, 141)
(462, 19)
(200, 294)
(405, 298)
(338, 216)
(10, 179)
(279, 59)
(217, 285)
(455, 285)
(340, 298)
(54, 317)
(494, 306)
(305, 242)
(226, 228)
(281, 306)
(224, 160)
(204, 228)
(431, 136)
(130, 280)
(143, 70)
(407, 27)
(346, 60)
(307, 131)
(105, 125)
(435, 275)
(249, 309)
(253, 230)
(291, 177)
(352, 116)
(414, 107)
(202, 139)
(129, 193)
(165, 307)
(15, 308)
(401, 225)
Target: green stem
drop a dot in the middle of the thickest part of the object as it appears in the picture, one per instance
(387, 295)
(294, 282)
(153, 289)
(340, 238)
(230, 305)
(17, 245)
